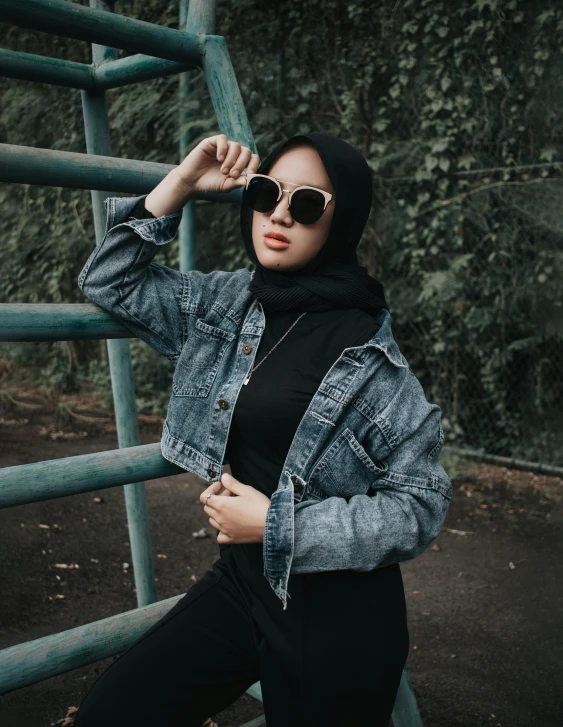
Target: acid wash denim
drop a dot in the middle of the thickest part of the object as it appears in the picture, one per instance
(361, 486)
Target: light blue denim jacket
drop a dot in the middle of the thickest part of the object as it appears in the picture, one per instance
(361, 487)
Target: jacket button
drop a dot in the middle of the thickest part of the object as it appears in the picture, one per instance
(211, 472)
(246, 348)
(223, 403)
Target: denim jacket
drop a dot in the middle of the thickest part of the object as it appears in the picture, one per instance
(361, 486)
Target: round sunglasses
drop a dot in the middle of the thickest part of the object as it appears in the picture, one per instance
(306, 204)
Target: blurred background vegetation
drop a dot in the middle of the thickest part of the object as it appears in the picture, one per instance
(456, 106)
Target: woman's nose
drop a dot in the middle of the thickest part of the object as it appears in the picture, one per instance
(281, 212)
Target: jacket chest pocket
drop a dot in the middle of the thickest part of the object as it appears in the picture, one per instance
(345, 469)
(200, 359)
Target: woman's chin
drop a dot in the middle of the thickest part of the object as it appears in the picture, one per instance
(279, 261)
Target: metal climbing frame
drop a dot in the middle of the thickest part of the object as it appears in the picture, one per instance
(159, 51)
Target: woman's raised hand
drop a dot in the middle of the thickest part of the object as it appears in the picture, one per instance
(216, 164)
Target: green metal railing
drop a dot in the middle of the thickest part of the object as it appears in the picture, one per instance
(159, 51)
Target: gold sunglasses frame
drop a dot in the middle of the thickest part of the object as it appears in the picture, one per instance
(327, 195)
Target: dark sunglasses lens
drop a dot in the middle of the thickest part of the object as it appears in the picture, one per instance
(261, 194)
(307, 206)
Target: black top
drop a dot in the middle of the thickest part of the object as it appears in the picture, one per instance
(269, 408)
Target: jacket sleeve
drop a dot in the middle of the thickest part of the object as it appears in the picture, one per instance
(395, 524)
(121, 277)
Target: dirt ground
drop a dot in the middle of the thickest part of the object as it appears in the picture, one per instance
(484, 601)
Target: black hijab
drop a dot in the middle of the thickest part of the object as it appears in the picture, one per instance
(333, 278)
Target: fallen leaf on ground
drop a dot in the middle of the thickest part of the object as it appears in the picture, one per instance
(458, 532)
(201, 534)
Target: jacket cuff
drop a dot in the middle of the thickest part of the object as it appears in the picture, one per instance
(158, 230)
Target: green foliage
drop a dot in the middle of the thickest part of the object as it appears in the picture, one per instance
(456, 106)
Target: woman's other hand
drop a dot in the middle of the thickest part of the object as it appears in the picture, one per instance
(239, 519)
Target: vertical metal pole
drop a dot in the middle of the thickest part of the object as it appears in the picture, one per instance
(199, 18)
(96, 127)
(225, 93)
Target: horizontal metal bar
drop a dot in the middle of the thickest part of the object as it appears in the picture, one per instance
(99, 26)
(134, 69)
(58, 322)
(31, 67)
(122, 72)
(39, 481)
(31, 165)
(31, 662)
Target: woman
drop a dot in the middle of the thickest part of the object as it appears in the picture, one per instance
(334, 654)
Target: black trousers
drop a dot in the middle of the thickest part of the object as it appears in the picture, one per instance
(333, 658)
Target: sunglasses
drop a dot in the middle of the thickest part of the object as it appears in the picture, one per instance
(306, 204)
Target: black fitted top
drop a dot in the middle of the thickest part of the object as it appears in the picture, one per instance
(269, 408)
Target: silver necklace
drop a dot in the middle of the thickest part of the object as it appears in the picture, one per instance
(253, 369)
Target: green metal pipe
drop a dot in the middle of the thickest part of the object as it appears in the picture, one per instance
(58, 322)
(128, 435)
(225, 93)
(33, 661)
(111, 74)
(97, 132)
(105, 28)
(198, 18)
(39, 481)
(41, 69)
(30, 165)
(135, 69)
(405, 710)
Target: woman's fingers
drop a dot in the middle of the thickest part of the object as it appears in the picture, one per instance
(232, 156)
(213, 489)
(254, 164)
(214, 523)
(222, 146)
(242, 161)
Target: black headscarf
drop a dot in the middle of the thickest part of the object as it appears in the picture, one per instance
(333, 278)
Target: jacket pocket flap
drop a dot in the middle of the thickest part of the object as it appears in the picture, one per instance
(345, 468)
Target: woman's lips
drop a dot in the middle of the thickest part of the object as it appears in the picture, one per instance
(275, 244)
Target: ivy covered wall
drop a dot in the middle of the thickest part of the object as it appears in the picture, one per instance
(456, 106)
